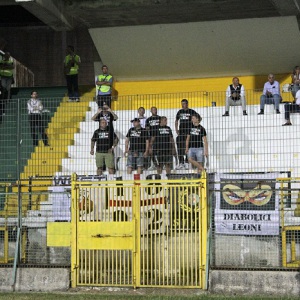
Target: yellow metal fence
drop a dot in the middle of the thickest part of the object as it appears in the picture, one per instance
(139, 233)
(290, 221)
(153, 233)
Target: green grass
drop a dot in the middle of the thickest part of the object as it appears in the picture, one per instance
(96, 295)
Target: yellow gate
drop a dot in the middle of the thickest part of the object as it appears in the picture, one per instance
(139, 233)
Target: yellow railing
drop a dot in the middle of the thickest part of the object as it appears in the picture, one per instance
(290, 231)
(138, 233)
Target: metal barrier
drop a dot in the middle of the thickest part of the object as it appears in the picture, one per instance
(139, 233)
(4, 228)
(290, 221)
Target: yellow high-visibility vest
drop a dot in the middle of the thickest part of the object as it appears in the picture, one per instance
(104, 88)
(73, 69)
(7, 72)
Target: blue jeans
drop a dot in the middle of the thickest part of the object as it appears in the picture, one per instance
(135, 159)
(275, 100)
(196, 154)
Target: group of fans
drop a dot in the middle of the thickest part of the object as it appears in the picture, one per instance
(149, 142)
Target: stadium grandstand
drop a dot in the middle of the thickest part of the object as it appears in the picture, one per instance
(230, 224)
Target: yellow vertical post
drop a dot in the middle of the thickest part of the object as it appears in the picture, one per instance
(136, 218)
(5, 245)
(282, 204)
(293, 246)
(284, 256)
(74, 224)
(24, 243)
(203, 229)
(283, 232)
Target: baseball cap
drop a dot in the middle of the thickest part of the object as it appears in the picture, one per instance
(135, 120)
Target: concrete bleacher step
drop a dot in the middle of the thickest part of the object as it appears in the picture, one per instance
(253, 163)
(50, 154)
(252, 140)
(37, 170)
(78, 165)
(58, 123)
(250, 134)
(88, 126)
(29, 201)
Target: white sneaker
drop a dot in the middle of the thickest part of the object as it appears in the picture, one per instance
(180, 167)
(186, 166)
(152, 168)
(77, 100)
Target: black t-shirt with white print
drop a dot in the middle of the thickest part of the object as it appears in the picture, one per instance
(184, 116)
(162, 142)
(108, 116)
(104, 139)
(137, 139)
(196, 136)
(152, 124)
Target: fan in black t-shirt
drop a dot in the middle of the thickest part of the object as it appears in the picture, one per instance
(107, 114)
(136, 146)
(153, 121)
(105, 140)
(151, 125)
(184, 119)
(163, 146)
(196, 144)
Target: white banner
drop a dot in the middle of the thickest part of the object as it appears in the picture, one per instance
(111, 204)
(247, 204)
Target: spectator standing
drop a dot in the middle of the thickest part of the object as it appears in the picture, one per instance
(136, 147)
(184, 119)
(6, 73)
(35, 108)
(235, 96)
(163, 146)
(295, 86)
(142, 117)
(104, 84)
(290, 108)
(271, 94)
(196, 144)
(152, 124)
(105, 140)
(71, 68)
(106, 113)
